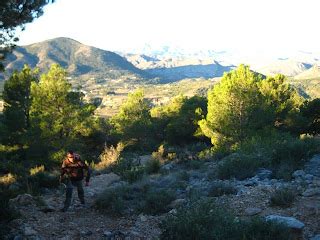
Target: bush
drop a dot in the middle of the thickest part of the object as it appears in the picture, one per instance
(137, 198)
(133, 174)
(221, 188)
(282, 198)
(291, 154)
(258, 228)
(205, 219)
(157, 201)
(112, 200)
(129, 169)
(153, 166)
(183, 176)
(198, 220)
(36, 182)
(238, 166)
(109, 156)
(6, 213)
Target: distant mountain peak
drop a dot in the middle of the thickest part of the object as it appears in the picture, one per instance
(77, 58)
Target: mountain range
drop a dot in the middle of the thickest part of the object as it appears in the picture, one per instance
(167, 63)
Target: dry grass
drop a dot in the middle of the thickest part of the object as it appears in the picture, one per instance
(8, 179)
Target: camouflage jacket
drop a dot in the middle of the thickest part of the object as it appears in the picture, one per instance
(75, 170)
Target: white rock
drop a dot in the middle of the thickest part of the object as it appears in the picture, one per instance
(289, 221)
(252, 211)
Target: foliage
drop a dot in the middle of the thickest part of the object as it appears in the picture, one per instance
(244, 103)
(218, 189)
(240, 166)
(7, 179)
(153, 166)
(35, 170)
(17, 103)
(6, 212)
(176, 122)
(157, 201)
(234, 108)
(289, 154)
(129, 168)
(283, 102)
(113, 200)
(205, 219)
(58, 115)
(199, 220)
(109, 156)
(133, 173)
(311, 113)
(282, 197)
(133, 120)
(16, 14)
(139, 197)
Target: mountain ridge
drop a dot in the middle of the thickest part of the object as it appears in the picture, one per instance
(78, 59)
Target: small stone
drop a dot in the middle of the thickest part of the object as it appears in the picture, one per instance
(143, 218)
(107, 234)
(311, 192)
(298, 174)
(18, 237)
(252, 211)
(29, 231)
(173, 211)
(308, 177)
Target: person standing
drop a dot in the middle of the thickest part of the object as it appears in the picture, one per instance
(72, 170)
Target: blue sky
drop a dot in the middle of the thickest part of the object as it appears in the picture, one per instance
(254, 26)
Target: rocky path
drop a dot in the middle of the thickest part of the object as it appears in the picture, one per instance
(40, 222)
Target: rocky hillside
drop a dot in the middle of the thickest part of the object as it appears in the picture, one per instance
(77, 58)
(311, 73)
(286, 67)
(41, 219)
(178, 68)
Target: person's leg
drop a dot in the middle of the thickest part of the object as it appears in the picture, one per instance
(69, 190)
(80, 191)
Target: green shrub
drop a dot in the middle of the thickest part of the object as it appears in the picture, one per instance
(129, 169)
(207, 220)
(290, 154)
(6, 212)
(153, 166)
(259, 229)
(133, 174)
(193, 164)
(183, 176)
(199, 220)
(282, 198)
(238, 166)
(36, 182)
(157, 201)
(113, 200)
(138, 197)
(220, 188)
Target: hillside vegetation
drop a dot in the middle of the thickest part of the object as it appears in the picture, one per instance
(246, 122)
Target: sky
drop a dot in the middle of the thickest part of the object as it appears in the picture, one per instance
(265, 27)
